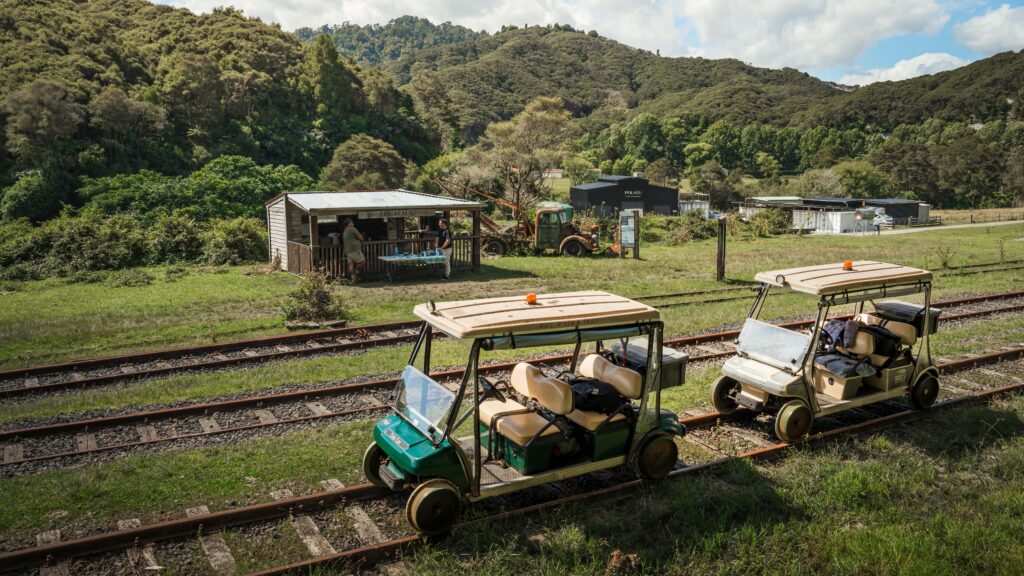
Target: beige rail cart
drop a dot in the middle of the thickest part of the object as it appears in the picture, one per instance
(782, 371)
(482, 438)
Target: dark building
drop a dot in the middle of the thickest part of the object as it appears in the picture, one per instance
(898, 208)
(616, 193)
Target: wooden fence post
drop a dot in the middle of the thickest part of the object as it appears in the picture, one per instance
(720, 272)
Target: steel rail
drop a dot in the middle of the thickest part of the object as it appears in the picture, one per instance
(187, 527)
(164, 353)
(208, 364)
(312, 394)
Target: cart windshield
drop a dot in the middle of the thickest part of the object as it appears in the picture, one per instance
(773, 345)
(423, 402)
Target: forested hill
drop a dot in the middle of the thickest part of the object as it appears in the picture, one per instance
(109, 86)
(491, 77)
(401, 37)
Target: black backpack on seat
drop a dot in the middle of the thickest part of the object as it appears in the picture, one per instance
(592, 395)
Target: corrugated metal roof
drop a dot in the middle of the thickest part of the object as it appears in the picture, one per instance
(376, 200)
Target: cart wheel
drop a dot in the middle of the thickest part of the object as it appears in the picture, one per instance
(793, 421)
(657, 456)
(372, 459)
(574, 248)
(924, 393)
(433, 507)
(495, 247)
(723, 395)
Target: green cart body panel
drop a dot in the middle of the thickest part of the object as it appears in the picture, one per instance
(415, 455)
(525, 460)
(608, 441)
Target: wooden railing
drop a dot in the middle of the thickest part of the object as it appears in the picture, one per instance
(333, 261)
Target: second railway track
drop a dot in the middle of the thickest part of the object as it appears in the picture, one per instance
(55, 378)
(26, 449)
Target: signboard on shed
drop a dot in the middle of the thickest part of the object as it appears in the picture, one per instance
(397, 213)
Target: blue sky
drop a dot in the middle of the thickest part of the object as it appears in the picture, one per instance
(849, 41)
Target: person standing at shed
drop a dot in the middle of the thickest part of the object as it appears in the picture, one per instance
(352, 245)
(444, 244)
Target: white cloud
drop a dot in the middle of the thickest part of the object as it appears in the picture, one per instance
(995, 31)
(806, 34)
(927, 63)
(643, 24)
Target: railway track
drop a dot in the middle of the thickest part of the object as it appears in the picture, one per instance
(27, 449)
(136, 541)
(85, 373)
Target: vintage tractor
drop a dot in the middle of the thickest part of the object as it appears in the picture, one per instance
(551, 228)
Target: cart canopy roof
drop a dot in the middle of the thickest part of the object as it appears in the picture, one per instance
(551, 312)
(827, 279)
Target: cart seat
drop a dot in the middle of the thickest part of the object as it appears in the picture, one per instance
(627, 382)
(863, 345)
(906, 332)
(591, 420)
(491, 408)
(550, 393)
(521, 428)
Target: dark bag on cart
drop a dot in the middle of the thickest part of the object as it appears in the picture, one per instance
(592, 395)
(886, 343)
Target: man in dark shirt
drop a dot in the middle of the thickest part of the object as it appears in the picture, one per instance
(352, 245)
(444, 244)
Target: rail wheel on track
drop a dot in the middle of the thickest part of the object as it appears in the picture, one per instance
(723, 395)
(372, 460)
(793, 421)
(925, 391)
(657, 456)
(433, 506)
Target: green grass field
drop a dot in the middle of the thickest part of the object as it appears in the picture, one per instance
(51, 320)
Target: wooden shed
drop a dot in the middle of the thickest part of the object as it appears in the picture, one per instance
(304, 228)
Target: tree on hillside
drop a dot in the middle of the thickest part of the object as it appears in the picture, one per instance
(364, 162)
(724, 140)
(1013, 178)
(127, 125)
(818, 184)
(577, 170)
(910, 168)
(862, 180)
(334, 90)
(41, 119)
(718, 183)
(661, 171)
(970, 170)
(515, 153)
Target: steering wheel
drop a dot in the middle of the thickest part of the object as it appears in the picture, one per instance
(490, 389)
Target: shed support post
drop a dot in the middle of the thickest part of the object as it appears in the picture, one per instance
(314, 242)
(476, 241)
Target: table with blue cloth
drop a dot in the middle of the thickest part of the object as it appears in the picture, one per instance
(424, 259)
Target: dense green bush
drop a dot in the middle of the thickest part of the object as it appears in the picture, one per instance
(91, 241)
(770, 222)
(692, 226)
(314, 300)
(235, 241)
(32, 196)
(174, 237)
